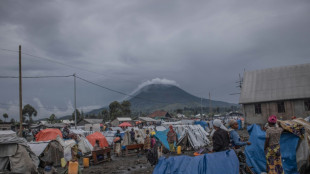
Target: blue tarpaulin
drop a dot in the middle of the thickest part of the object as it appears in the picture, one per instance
(255, 155)
(239, 124)
(225, 162)
(202, 124)
(162, 137)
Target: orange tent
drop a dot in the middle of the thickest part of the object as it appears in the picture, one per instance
(48, 134)
(97, 136)
(125, 124)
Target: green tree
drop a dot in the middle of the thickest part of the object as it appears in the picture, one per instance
(125, 107)
(5, 116)
(179, 111)
(105, 115)
(29, 111)
(12, 120)
(78, 115)
(115, 110)
(52, 119)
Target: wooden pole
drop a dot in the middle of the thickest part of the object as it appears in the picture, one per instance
(74, 100)
(210, 109)
(20, 93)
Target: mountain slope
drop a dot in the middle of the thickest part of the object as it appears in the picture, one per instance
(166, 97)
(169, 97)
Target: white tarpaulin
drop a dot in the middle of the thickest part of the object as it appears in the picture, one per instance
(194, 134)
(23, 160)
(38, 147)
(7, 133)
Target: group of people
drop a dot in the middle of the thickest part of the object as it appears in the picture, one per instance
(224, 140)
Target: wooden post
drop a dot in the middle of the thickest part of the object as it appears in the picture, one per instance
(210, 109)
(20, 93)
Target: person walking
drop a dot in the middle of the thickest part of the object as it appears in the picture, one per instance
(117, 143)
(172, 138)
(272, 147)
(132, 136)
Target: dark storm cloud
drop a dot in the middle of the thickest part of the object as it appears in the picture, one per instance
(201, 45)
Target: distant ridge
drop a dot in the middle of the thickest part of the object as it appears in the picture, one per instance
(166, 97)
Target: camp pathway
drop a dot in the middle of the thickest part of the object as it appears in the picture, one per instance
(126, 165)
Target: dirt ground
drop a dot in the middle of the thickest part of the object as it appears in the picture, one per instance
(132, 164)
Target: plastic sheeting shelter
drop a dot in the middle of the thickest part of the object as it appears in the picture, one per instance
(162, 137)
(192, 137)
(201, 123)
(255, 155)
(48, 134)
(98, 136)
(225, 162)
(16, 153)
(48, 151)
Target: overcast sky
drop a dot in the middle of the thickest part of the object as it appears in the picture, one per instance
(201, 46)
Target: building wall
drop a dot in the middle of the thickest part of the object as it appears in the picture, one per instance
(292, 108)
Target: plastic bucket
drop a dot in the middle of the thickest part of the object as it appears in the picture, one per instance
(179, 150)
(86, 162)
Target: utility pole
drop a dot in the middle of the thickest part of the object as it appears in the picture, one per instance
(210, 108)
(20, 93)
(74, 100)
(201, 107)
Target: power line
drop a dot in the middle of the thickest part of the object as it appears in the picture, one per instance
(33, 77)
(7, 104)
(60, 63)
(119, 92)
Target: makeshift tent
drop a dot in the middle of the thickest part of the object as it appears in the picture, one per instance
(139, 137)
(214, 163)
(115, 129)
(161, 136)
(255, 155)
(301, 128)
(98, 136)
(109, 135)
(67, 145)
(48, 134)
(51, 151)
(125, 124)
(7, 133)
(160, 128)
(84, 145)
(201, 123)
(16, 153)
(192, 137)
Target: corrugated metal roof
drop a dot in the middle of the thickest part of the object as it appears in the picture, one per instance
(93, 121)
(274, 84)
(147, 119)
(124, 119)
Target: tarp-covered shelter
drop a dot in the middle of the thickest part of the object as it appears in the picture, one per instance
(84, 145)
(255, 155)
(51, 151)
(109, 135)
(48, 134)
(16, 156)
(98, 136)
(192, 137)
(161, 136)
(139, 137)
(225, 162)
